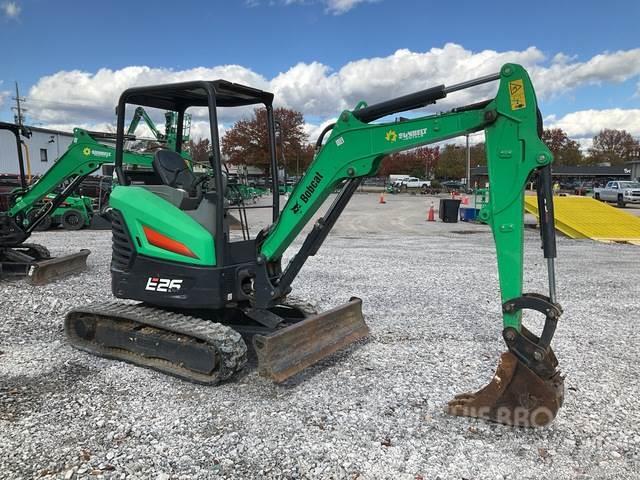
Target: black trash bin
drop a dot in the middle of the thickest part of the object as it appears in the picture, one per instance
(449, 210)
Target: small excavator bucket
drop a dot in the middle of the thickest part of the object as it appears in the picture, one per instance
(45, 271)
(286, 352)
(515, 396)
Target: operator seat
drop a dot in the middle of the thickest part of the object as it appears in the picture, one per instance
(173, 170)
(182, 188)
(179, 184)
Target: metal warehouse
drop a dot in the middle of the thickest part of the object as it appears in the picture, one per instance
(43, 148)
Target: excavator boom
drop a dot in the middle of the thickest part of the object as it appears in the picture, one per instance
(512, 126)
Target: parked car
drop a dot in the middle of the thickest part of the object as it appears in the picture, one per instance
(569, 186)
(583, 188)
(453, 185)
(619, 192)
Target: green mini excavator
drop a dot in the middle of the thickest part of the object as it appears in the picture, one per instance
(31, 206)
(203, 296)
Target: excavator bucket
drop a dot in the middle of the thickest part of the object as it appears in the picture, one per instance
(45, 271)
(286, 352)
(515, 396)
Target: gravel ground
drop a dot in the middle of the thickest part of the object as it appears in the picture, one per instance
(374, 411)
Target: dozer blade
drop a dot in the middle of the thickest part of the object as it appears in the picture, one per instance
(286, 352)
(51, 269)
(515, 396)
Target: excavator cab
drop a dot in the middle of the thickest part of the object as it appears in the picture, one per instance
(172, 250)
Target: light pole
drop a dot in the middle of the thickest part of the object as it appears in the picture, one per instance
(284, 159)
(468, 165)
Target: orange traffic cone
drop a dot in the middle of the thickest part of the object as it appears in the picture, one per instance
(382, 198)
(431, 217)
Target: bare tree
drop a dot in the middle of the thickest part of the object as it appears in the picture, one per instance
(565, 151)
(614, 146)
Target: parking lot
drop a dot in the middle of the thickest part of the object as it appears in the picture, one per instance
(431, 300)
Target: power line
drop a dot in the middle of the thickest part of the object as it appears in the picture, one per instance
(19, 117)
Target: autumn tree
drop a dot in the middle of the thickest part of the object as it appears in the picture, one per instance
(613, 146)
(477, 155)
(419, 162)
(452, 163)
(565, 151)
(247, 142)
(199, 151)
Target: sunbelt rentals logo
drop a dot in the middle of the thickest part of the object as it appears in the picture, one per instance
(391, 136)
(86, 151)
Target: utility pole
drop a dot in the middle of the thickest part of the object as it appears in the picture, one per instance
(19, 115)
(468, 165)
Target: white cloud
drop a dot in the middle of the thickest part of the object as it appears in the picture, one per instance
(338, 7)
(313, 130)
(4, 95)
(583, 125)
(79, 96)
(318, 91)
(333, 7)
(11, 9)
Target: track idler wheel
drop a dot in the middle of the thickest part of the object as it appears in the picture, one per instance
(515, 396)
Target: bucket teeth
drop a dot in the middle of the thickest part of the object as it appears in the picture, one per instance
(515, 396)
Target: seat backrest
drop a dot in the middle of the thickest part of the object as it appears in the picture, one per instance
(173, 170)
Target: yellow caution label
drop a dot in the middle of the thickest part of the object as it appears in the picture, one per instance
(516, 94)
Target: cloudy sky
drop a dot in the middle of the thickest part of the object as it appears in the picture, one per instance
(73, 59)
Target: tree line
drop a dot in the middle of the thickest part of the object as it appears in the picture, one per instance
(247, 143)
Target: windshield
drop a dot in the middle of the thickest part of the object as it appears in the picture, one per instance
(629, 184)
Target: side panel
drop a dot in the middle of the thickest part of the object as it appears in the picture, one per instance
(139, 208)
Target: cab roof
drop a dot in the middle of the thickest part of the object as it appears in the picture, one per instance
(180, 96)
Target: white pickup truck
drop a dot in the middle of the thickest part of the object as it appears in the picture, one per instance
(620, 192)
(414, 182)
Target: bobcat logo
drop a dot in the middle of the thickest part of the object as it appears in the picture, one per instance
(296, 208)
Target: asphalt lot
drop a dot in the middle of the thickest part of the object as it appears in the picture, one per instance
(374, 411)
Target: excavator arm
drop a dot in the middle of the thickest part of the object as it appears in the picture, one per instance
(527, 389)
(18, 258)
(84, 156)
(141, 114)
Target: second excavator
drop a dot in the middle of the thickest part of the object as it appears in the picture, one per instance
(202, 295)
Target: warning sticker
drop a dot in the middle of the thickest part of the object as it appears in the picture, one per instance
(516, 94)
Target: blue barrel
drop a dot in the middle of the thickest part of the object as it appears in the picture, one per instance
(468, 214)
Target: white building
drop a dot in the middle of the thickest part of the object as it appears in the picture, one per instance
(45, 147)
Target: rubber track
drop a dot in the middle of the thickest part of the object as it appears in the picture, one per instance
(229, 344)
